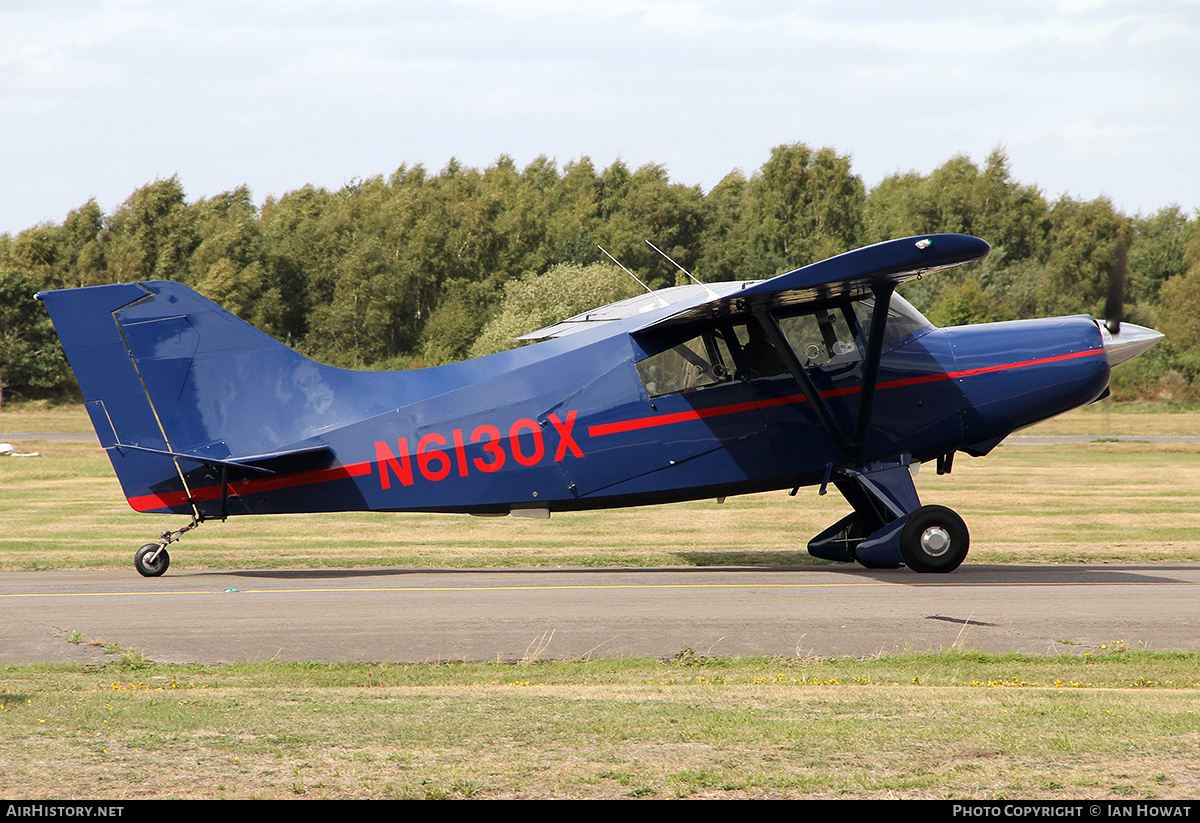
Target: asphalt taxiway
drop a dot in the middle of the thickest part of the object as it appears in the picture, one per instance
(405, 615)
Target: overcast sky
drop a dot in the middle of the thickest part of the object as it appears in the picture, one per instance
(1089, 98)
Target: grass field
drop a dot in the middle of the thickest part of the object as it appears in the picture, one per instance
(1121, 724)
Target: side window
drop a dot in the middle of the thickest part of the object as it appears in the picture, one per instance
(828, 338)
(820, 338)
(693, 364)
(761, 356)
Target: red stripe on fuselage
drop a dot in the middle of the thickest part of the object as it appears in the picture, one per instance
(717, 411)
(150, 502)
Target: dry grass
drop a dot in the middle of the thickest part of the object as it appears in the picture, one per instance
(1107, 419)
(919, 726)
(1092, 501)
(40, 417)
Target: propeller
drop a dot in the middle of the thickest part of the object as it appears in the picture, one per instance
(1121, 344)
(1114, 305)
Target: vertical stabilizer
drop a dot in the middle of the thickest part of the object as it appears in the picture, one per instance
(166, 373)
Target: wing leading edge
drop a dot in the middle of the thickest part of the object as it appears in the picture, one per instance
(853, 275)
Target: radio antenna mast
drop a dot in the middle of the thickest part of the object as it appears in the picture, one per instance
(661, 302)
(712, 294)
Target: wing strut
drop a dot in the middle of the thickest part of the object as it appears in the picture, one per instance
(771, 326)
(866, 401)
(854, 451)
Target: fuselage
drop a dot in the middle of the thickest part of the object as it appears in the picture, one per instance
(585, 428)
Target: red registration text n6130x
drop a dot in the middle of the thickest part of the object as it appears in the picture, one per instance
(438, 457)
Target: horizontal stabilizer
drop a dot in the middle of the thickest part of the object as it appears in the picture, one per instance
(245, 463)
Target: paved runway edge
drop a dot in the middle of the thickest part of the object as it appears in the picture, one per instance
(420, 615)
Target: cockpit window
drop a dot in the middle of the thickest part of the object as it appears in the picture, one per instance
(904, 320)
(702, 361)
(759, 352)
(820, 338)
(832, 339)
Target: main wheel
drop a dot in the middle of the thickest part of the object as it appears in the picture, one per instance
(935, 539)
(147, 568)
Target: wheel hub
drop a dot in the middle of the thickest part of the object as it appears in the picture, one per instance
(935, 541)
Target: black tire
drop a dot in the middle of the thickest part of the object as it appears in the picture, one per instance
(141, 561)
(935, 540)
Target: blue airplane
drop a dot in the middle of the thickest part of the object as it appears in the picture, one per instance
(823, 375)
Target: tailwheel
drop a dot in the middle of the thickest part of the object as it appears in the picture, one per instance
(151, 560)
(935, 540)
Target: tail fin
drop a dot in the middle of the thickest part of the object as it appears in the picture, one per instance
(174, 384)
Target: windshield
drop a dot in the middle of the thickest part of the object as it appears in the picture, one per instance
(904, 321)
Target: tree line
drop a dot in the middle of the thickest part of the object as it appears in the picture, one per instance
(418, 269)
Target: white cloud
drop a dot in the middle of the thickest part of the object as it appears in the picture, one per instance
(96, 100)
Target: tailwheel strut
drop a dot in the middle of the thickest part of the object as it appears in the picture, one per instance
(152, 559)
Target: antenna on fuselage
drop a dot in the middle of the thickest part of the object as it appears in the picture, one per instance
(661, 302)
(712, 294)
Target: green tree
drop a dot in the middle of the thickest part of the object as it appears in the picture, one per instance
(415, 268)
(31, 358)
(41, 255)
(958, 197)
(574, 213)
(82, 236)
(1014, 218)
(300, 244)
(535, 301)
(646, 205)
(1178, 313)
(802, 206)
(966, 302)
(723, 239)
(66, 256)
(360, 312)
(895, 208)
(227, 265)
(1083, 245)
(148, 237)
(1156, 251)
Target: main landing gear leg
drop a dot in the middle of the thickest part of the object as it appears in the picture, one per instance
(152, 559)
(889, 526)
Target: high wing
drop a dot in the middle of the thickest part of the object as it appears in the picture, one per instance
(854, 275)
